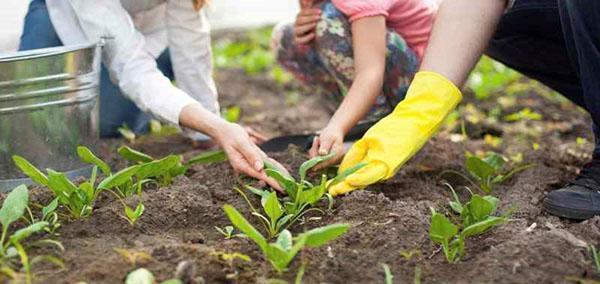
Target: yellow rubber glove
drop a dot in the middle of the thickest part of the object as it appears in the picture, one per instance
(397, 137)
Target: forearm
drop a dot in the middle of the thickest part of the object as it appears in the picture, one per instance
(359, 100)
(460, 35)
(198, 118)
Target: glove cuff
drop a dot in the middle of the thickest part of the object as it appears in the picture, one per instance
(439, 80)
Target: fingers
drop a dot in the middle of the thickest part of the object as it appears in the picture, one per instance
(341, 188)
(338, 149)
(313, 152)
(325, 146)
(252, 154)
(255, 136)
(370, 174)
(355, 155)
(306, 22)
(306, 39)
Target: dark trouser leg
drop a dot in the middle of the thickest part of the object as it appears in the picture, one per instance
(556, 42)
(117, 110)
(581, 25)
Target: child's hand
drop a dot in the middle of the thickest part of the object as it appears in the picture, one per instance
(306, 22)
(331, 139)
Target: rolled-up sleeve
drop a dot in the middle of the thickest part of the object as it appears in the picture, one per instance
(357, 9)
(131, 67)
(188, 33)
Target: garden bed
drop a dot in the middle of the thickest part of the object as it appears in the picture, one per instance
(389, 221)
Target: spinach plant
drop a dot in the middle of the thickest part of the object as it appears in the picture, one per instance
(284, 249)
(171, 166)
(14, 246)
(302, 195)
(489, 171)
(227, 231)
(49, 214)
(477, 217)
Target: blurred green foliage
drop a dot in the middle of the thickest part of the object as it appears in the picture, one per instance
(490, 76)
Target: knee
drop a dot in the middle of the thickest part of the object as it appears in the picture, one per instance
(333, 23)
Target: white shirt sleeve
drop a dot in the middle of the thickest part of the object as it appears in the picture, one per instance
(188, 33)
(130, 65)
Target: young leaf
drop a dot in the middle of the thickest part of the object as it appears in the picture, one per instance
(119, 178)
(158, 167)
(134, 155)
(28, 231)
(51, 207)
(59, 183)
(320, 236)
(133, 216)
(30, 170)
(313, 162)
(495, 160)
(140, 276)
(389, 278)
(481, 227)
(244, 226)
(478, 209)
(478, 168)
(273, 208)
(441, 230)
(288, 183)
(88, 157)
(208, 158)
(284, 240)
(14, 205)
(264, 194)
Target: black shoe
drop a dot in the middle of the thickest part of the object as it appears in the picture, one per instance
(579, 200)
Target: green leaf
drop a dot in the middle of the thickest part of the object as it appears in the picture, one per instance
(88, 157)
(494, 160)
(140, 276)
(14, 205)
(88, 190)
(492, 200)
(60, 184)
(244, 226)
(389, 278)
(232, 114)
(441, 230)
(320, 236)
(50, 208)
(158, 167)
(30, 170)
(273, 208)
(132, 215)
(478, 209)
(313, 162)
(28, 231)
(264, 194)
(482, 227)
(288, 183)
(208, 158)
(119, 178)
(479, 168)
(278, 257)
(284, 240)
(134, 155)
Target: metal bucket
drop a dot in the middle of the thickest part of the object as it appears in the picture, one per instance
(48, 106)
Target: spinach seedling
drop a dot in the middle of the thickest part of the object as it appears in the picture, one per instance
(133, 215)
(284, 249)
(487, 172)
(170, 170)
(49, 215)
(301, 198)
(227, 231)
(13, 246)
(477, 218)
(78, 200)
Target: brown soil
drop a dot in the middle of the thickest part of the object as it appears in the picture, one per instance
(390, 220)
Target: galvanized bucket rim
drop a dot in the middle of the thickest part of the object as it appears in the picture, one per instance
(43, 52)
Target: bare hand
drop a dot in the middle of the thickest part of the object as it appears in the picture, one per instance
(244, 156)
(331, 139)
(306, 22)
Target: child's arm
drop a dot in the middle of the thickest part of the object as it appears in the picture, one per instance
(369, 42)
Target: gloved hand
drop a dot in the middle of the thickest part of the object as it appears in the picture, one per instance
(398, 136)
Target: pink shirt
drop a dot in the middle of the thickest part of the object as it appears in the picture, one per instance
(412, 19)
